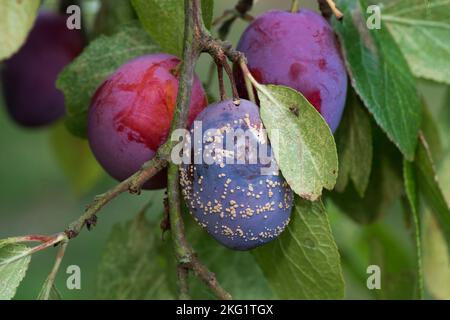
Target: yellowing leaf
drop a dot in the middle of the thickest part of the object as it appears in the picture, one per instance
(17, 19)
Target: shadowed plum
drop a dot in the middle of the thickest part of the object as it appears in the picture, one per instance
(131, 113)
(29, 76)
(238, 203)
(298, 50)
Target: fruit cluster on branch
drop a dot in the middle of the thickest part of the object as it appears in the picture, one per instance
(136, 109)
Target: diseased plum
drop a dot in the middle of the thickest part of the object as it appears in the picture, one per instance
(238, 203)
(131, 113)
(29, 76)
(298, 50)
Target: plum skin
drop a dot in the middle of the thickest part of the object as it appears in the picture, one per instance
(298, 50)
(29, 76)
(131, 113)
(236, 204)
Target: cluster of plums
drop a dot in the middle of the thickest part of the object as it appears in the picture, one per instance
(131, 112)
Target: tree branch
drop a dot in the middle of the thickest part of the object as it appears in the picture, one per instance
(184, 254)
(183, 280)
(133, 184)
(47, 289)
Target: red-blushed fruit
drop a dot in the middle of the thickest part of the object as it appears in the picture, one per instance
(131, 113)
(29, 76)
(298, 50)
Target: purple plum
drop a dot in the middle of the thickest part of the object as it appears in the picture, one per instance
(131, 113)
(29, 76)
(298, 50)
(239, 203)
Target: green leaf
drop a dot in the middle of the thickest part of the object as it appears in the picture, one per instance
(135, 263)
(436, 256)
(11, 274)
(411, 193)
(436, 259)
(15, 24)
(80, 79)
(430, 188)
(207, 12)
(380, 76)
(304, 263)
(76, 160)
(303, 144)
(112, 15)
(398, 269)
(431, 132)
(422, 29)
(164, 21)
(247, 283)
(442, 123)
(49, 292)
(385, 184)
(382, 244)
(355, 146)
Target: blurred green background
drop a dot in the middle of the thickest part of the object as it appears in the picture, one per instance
(37, 197)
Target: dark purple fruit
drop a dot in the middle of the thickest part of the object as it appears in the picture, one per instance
(241, 206)
(29, 76)
(298, 50)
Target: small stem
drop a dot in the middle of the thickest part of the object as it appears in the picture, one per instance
(418, 254)
(295, 6)
(220, 78)
(247, 17)
(190, 56)
(148, 170)
(229, 72)
(52, 276)
(209, 279)
(226, 20)
(132, 184)
(180, 245)
(27, 238)
(248, 84)
(243, 6)
(54, 240)
(240, 10)
(165, 221)
(183, 280)
(226, 15)
(332, 6)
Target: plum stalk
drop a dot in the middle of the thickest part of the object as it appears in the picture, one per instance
(224, 23)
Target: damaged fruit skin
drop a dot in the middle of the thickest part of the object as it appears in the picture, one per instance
(238, 205)
(298, 50)
(131, 113)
